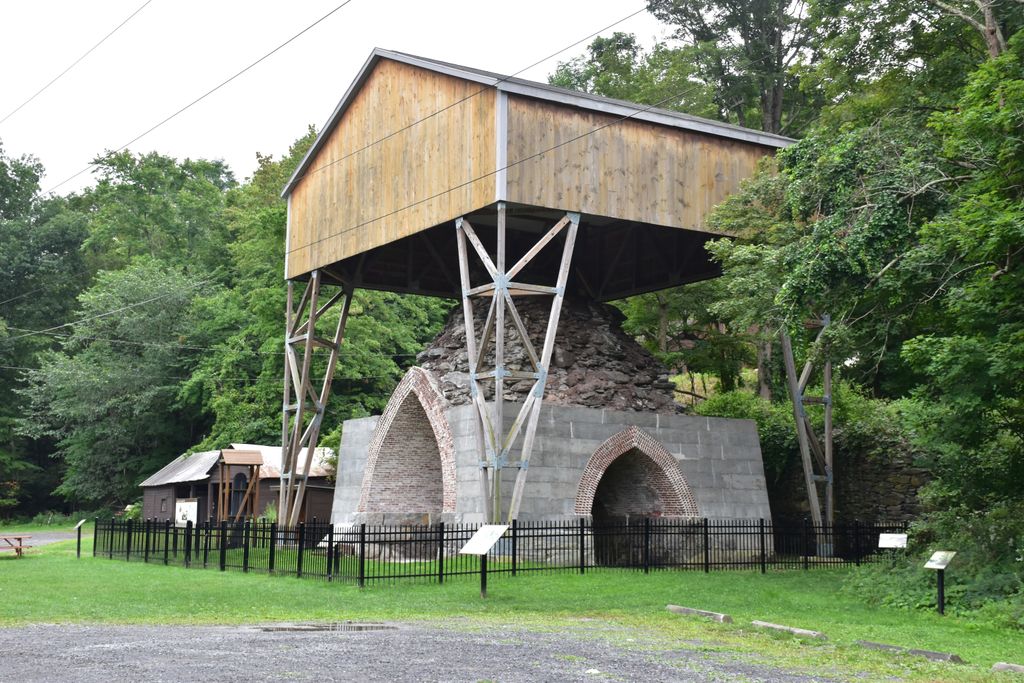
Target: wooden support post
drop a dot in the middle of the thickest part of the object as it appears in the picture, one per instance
(801, 435)
(498, 304)
(494, 442)
(301, 421)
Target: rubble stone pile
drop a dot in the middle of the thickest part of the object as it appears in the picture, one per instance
(595, 363)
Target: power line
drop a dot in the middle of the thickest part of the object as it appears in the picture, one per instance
(491, 173)
(105, 313)
(189, 347)
(75, 63)
(468, 97)
(21, 296)
(362, 378)
(513, 164)
(203, 96)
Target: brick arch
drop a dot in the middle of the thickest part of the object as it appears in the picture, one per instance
(415, 400)
(677, 497)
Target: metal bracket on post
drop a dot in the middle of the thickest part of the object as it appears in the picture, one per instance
(493, 439)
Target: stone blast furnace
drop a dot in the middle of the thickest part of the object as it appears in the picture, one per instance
(532, 206)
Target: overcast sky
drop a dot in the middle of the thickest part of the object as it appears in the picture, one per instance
(175, 50)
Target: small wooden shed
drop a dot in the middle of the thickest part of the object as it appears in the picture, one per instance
(199, 477)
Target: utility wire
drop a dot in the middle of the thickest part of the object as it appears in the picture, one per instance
(104, 314)
(75, 63)
(488, 174)
(202, 97)
(21, 296)
(362, 378)
(188, 347)
(468, 97)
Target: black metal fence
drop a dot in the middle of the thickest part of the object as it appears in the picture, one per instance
(364, 554)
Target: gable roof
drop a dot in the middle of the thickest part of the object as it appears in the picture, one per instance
(542, 91)
(271, 468)
(184, 468)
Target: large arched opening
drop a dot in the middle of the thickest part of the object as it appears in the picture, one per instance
(410, 467)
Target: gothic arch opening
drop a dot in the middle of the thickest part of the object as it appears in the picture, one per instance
(632, 487)
(410, 467)
(631, 476)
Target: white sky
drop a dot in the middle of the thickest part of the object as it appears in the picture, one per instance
(175, 50)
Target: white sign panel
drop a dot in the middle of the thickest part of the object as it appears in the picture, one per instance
(186, 510)
(892, 540)
(484, 539)
(940, 560)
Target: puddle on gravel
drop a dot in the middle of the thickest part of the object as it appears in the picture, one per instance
(337, 627)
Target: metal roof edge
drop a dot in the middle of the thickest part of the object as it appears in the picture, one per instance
(536, 90)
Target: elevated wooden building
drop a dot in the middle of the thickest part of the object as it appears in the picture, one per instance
(436, 179)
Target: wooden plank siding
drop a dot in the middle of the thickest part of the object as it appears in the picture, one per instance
(345, 206)
(631, 170)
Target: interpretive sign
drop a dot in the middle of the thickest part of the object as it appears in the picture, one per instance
(484, 539)
(186, 510)
(940, 559)
(892, 540)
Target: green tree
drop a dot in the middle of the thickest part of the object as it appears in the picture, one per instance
(108, 397)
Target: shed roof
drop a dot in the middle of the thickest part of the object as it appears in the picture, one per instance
(542, 91)
(184, 468)
(241, 457)
(271, 468)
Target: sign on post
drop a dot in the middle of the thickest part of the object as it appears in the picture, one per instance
(940, 559)
(480, 544)
(186, 510)
(484, 539)
(892, 540)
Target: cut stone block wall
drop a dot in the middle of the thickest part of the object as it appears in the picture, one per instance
(718, 460)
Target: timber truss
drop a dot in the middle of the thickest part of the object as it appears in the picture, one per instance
(493, 440)
(817, 469)
(302, 418)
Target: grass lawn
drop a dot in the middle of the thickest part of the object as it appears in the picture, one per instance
(50, 585)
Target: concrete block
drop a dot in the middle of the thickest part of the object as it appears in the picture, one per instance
(713, 616)
(928, 654)
(790, 629)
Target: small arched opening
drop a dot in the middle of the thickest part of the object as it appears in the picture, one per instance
(630, 477)
(239, 484)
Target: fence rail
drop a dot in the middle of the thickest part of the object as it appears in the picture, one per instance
(364, 554)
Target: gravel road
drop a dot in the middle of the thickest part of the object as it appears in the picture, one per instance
(459, 651)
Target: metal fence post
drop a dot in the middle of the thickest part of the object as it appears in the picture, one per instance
(128, 542)
(764, 549)
(856, 542)
(223, 544)
(167, 538)
(78, 550)
(273, 547)
(147, 541)
(707, 547)
(803, 539)
(110, 540)
(188, 543)
(583, 547)
(246, 528)
(302, 547)
(515, 544)
(206, 543)
(95, 534)
(440, 552)
(174, 540)
(330, 552)
(647, 545)
(362, 554)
